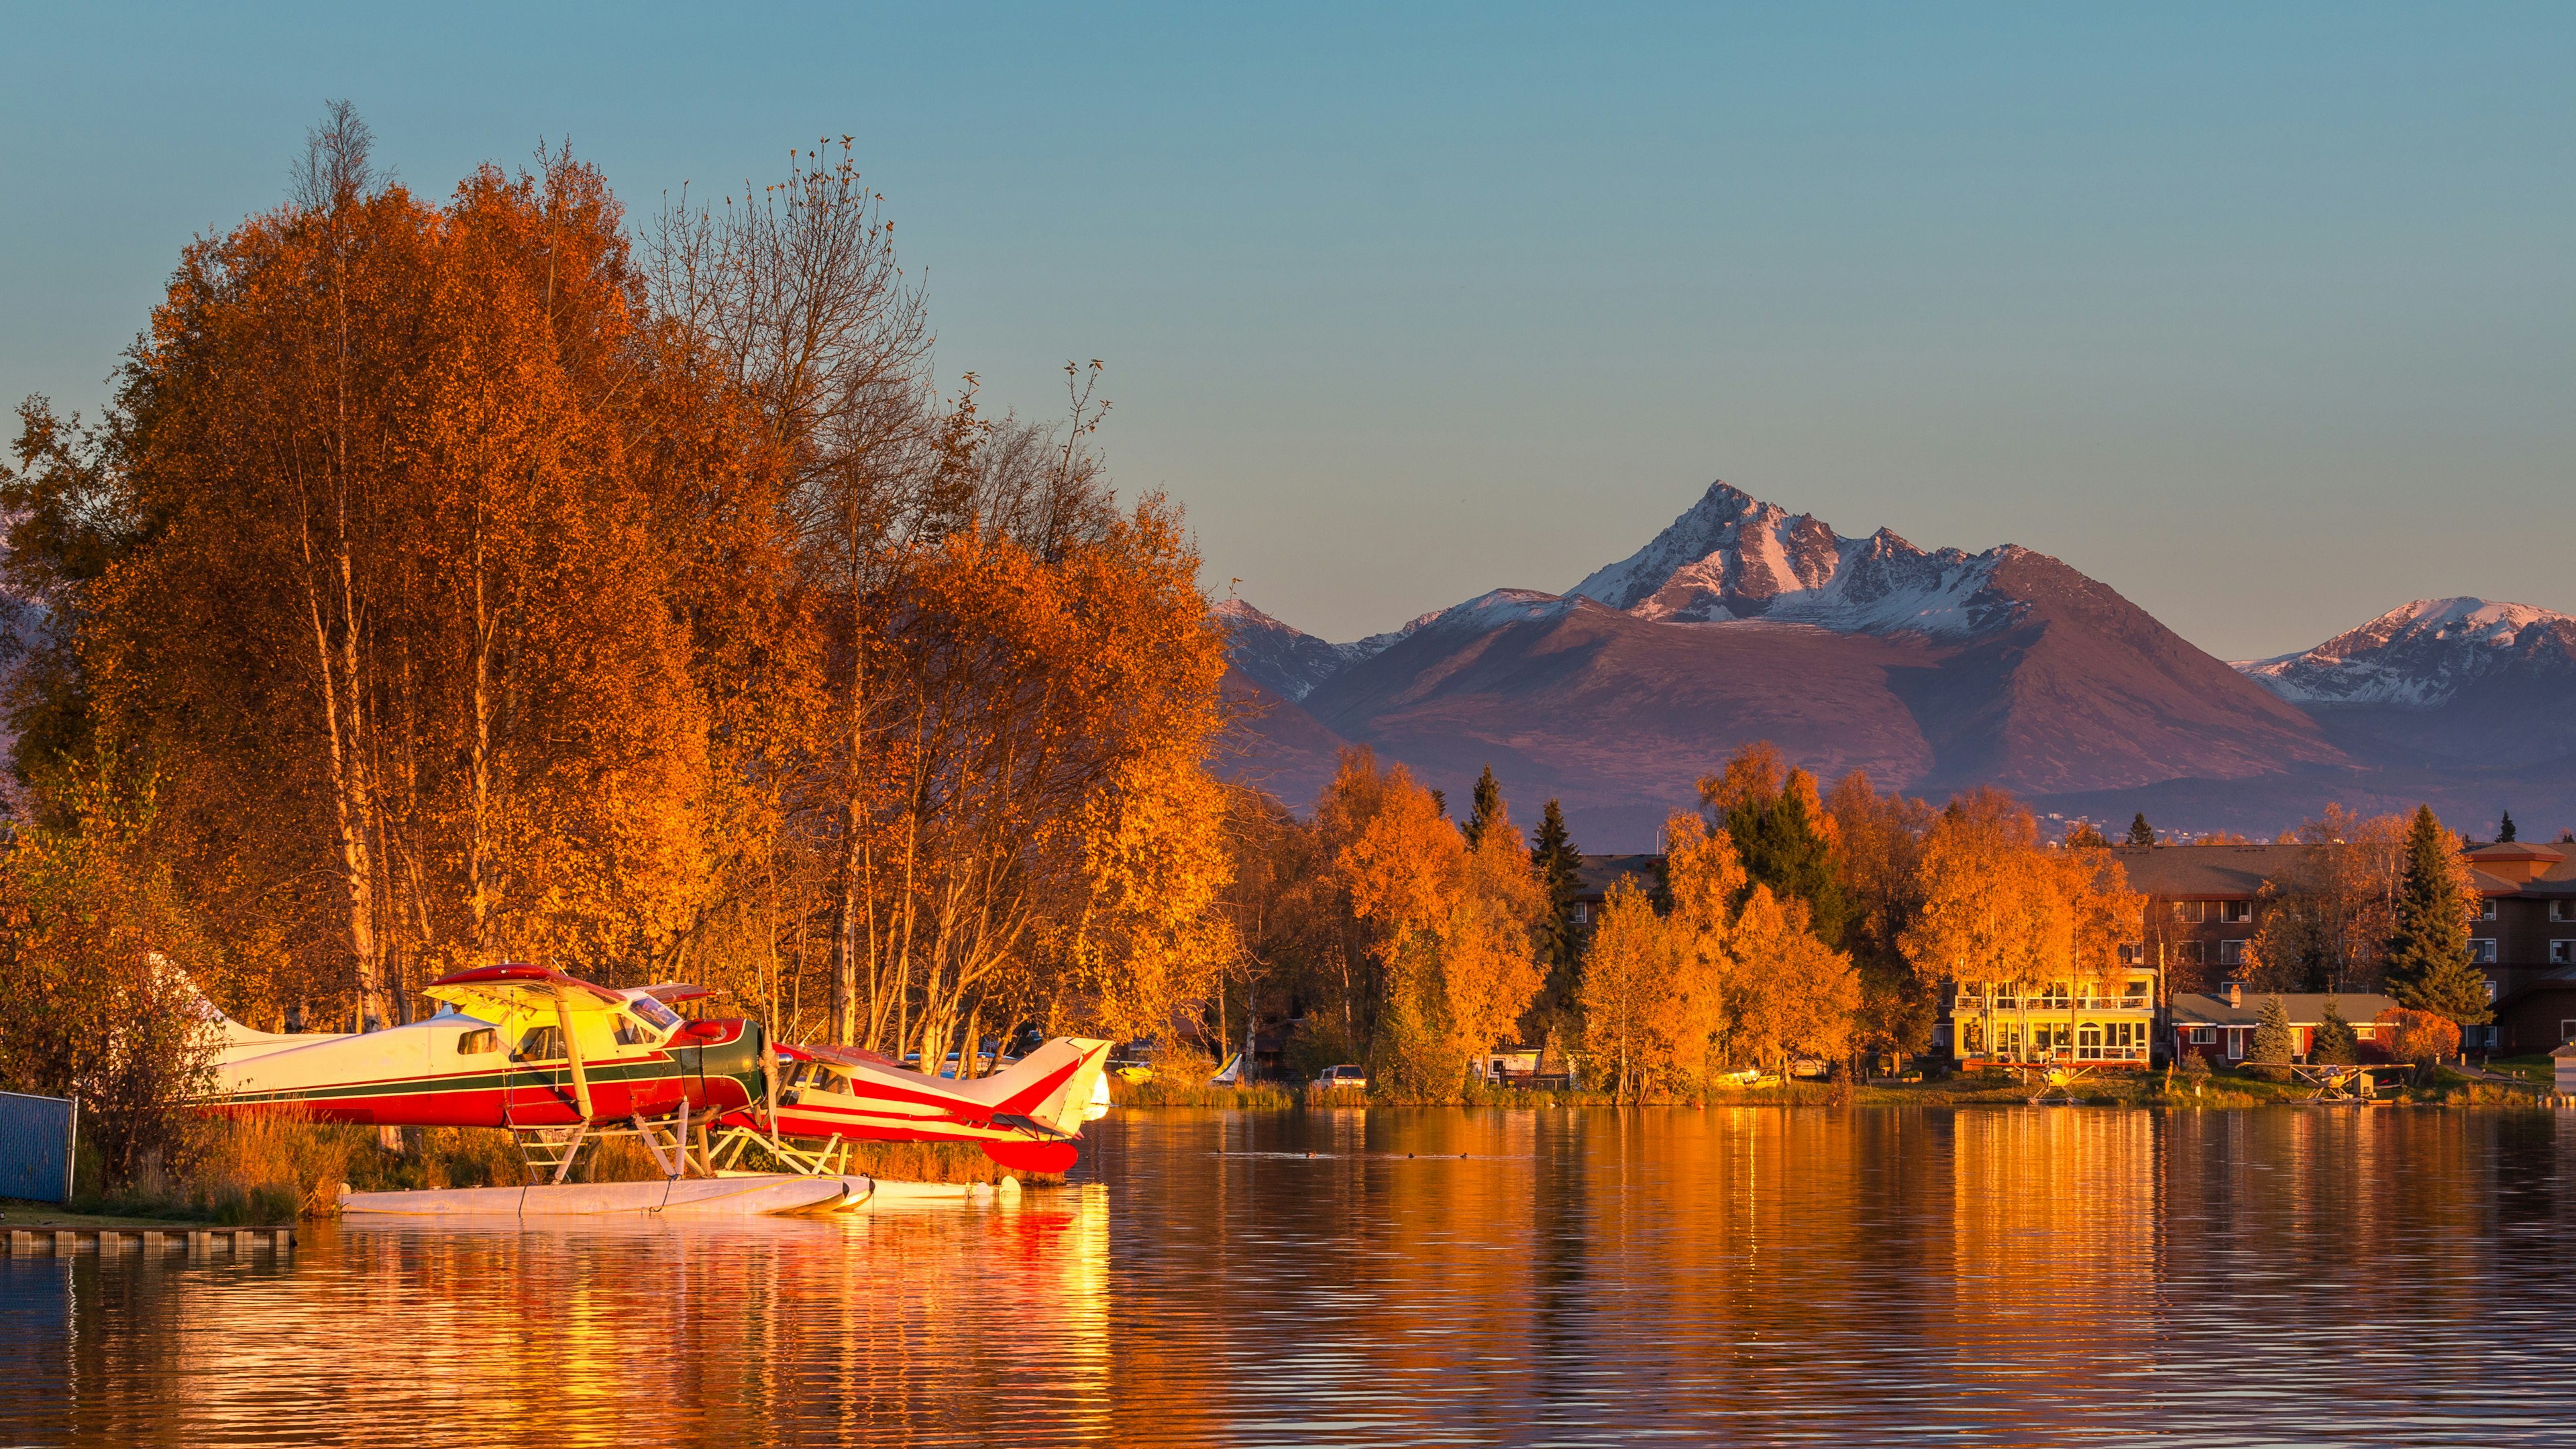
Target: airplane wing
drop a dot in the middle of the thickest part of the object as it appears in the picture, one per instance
(672, 993)
(491, 993)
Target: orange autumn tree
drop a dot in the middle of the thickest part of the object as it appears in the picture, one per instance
(2001, 910)
(1730, 975)
(1694, 1013)
(399, 626)
(479, 592)
(2419, 1038)
(1627, 978)
(1446, 930)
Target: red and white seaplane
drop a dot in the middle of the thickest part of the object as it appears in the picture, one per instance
(1025, 1117)
(558, 1060)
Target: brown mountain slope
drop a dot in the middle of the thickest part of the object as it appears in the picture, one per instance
(1272, 743)
(2071, 688)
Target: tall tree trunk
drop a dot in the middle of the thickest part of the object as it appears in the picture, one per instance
(477, 894)
(336, 671)
(846, 899)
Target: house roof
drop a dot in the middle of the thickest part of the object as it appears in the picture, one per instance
(2237, 872)
(2551, 868)
(1597, 872)
(2204, 872)
(2306, 1008)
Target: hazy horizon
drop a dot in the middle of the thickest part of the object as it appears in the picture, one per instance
(2261, 319)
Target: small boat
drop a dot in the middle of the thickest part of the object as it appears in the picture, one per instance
(749, 1195)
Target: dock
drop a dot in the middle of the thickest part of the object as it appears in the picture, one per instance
(151, 1242)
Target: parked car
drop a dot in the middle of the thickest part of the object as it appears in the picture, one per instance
(1344, 1076)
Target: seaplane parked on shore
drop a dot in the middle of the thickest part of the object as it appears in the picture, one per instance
(558, 1060)
(512, 1046)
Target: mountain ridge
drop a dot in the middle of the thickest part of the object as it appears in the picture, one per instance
(1930, 670)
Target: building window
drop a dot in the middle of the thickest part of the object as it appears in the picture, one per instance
(2482, 950)
(2203, 1035)
(2235, 913)
(2231, 953)
(2486, 908)
(1582, 912)
(2186, 953)
(2191, 910)
(2562, 953)
(2562, 910)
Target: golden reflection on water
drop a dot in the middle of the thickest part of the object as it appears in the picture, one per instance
(1746, 1275)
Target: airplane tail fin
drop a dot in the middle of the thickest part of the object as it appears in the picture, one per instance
(1054, 1085)
(232, 1041)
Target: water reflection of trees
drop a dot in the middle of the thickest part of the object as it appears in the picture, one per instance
(939, 1323)
(1729, 1275)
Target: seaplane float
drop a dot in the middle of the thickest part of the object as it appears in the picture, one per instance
(561, 1062)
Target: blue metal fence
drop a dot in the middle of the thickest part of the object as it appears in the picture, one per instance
(36, 1139)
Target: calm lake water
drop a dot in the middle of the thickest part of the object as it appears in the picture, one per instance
(1740, 1276)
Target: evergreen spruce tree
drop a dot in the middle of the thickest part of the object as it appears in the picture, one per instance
(1482, 807)
(1553, 856)
(2504, 832)
(2336, 1043)
(1784, 845)
(2428, 957)
(2273, 1041)
(2140, 832)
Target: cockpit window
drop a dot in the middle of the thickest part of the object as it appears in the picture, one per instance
(541, 1044)
(654, 1014)
(475, 1043)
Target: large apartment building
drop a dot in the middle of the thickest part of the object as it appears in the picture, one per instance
(2525, 941)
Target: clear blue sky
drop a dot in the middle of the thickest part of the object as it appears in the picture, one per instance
(2260, 314)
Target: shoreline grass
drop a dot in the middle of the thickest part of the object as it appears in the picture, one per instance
(1167, 1090)
(2217, 1091)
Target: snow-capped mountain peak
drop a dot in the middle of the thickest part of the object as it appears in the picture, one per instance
(2420, 654)
(1731, 556)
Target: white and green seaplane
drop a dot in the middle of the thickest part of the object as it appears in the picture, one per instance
(561, 1062)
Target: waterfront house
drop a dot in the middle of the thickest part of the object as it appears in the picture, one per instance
(2220, 1027)
(2105, 1023)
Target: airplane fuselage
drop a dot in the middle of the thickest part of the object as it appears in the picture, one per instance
(459, 1071)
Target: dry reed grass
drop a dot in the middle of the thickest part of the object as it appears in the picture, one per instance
(1193, 1090)
(272, 1163)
